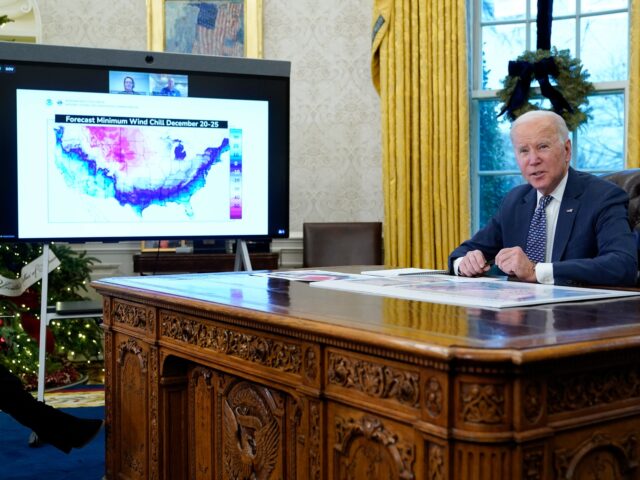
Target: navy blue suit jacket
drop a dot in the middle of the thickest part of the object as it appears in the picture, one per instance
(593, 242)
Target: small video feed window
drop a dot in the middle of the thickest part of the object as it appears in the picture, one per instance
(168, 85)
(129, 83)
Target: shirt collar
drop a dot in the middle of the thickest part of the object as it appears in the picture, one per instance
(558, 192)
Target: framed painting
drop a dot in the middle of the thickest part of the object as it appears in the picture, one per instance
(230, 28)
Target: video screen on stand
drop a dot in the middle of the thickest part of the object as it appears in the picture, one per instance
(181, 147)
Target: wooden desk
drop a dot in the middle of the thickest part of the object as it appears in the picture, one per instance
(230, 375)
(170, 262)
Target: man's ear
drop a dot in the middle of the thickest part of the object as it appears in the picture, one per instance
(567, 150)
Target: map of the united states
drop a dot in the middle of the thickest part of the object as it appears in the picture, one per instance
(138, 166)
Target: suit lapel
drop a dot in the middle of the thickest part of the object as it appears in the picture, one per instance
(567, 214)
(523, 219)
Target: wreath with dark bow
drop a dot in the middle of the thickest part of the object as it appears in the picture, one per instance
(548, 67)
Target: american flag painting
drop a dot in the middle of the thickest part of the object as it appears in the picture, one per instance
(207, 27)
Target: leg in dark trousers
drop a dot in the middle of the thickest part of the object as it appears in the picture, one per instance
(53, 426)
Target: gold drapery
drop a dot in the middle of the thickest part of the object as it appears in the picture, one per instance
(633, 121)
(419, 67)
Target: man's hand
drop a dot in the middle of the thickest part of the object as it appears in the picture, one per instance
(513, 261)
(473, 264)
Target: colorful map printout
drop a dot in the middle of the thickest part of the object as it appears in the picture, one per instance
(469, 292)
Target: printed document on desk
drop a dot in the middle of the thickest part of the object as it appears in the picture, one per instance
(469, 292)
(401, 272)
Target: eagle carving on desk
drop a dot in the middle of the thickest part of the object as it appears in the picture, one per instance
(250, 444)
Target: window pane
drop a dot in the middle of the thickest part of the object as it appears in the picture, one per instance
(604, 47)
(601, 139)
(500, 43)
(503, 10)
(563, 35)
(495, 152)
(560, 7)
(492, 191)
(588, 6)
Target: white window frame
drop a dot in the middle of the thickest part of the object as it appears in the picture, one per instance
(477, 93)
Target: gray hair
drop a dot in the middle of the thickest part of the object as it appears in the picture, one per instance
(561, 126)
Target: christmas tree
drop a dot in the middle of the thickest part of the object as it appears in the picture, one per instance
(67, 339)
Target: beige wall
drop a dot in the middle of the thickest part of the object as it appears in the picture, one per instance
(335, 126)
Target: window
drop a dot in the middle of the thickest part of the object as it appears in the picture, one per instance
(597, 32)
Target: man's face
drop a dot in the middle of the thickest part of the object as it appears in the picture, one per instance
(542, 157)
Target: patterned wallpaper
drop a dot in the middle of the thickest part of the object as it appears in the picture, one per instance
(95, 23)
(335, 128)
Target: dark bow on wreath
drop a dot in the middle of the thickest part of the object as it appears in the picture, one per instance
(525, 71)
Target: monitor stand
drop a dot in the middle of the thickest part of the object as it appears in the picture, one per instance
(44, 295)
(34, 441)
(242, 257)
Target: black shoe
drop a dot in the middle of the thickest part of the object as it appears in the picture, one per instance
(87, 429)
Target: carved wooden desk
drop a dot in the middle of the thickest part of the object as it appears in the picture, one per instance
(232, 376)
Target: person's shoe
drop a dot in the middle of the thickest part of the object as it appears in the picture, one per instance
(87, 429)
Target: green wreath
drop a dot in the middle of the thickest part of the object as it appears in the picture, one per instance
(570, 82)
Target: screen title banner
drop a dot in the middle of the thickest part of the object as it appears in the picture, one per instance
(140, 121)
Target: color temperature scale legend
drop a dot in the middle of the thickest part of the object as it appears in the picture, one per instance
(235, 173)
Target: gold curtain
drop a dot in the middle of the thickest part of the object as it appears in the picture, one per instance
(633, 121)
(419, 67)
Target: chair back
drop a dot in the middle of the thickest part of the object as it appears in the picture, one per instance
(629, 181)
(342, 243)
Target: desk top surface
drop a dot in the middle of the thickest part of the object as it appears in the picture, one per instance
(441, 331)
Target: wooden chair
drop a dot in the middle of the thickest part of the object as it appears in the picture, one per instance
(342, 243)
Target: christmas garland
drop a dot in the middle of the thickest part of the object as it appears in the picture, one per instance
(570, 91)
(4, 19)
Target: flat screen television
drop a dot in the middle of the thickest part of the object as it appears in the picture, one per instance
(109, 145)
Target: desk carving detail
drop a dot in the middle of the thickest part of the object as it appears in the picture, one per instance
(310, 363)
(282, 356)
(153, 414)
(132, 315)
(366, 446)
(437, 467)
(575, 392)
(131, 346)
(376, 380)
(482, 403)
(251, 433)
(434, 397)
(532, 463)
(600, 456)
(532, 401)
(314, 440)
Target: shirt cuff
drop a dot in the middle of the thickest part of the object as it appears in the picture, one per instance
(456, 264)
(544, 273)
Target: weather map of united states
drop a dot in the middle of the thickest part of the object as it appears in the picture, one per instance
(139, 166)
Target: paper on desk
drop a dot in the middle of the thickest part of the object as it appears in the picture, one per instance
(307, 275)
(397, 272)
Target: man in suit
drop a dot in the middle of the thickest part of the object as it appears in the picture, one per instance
(58, 428)
(563, 227)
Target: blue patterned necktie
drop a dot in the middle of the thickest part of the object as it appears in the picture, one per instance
(537, 238)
